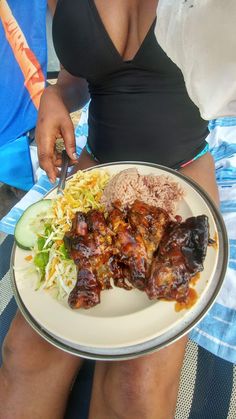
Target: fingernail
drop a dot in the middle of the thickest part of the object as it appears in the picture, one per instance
(75, 156)
(52, 180)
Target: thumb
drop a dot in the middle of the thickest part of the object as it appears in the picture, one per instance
(68, 134)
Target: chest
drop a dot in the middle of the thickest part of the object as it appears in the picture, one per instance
(126, 22)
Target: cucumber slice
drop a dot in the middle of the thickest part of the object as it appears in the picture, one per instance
(25, 237)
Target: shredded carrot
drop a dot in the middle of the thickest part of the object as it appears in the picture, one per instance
(59, 242)
(29, 258)
(53, 267)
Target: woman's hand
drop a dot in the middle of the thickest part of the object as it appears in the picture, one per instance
(53, 122)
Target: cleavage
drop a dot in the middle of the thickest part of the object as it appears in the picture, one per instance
(125, 24)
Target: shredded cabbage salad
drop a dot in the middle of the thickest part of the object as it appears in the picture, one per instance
(56, 271)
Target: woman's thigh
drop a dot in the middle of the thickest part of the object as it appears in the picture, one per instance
(145, 387)
(202, 171)
(36, 377)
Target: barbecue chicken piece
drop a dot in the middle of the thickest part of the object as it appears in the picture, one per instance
(129, 249)
(120, 272)
(180, 256)
(89, 245)
(86, 293)
(138, 232)
(150, 222)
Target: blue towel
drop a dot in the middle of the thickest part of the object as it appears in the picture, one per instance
(217, 331)
(16, 167)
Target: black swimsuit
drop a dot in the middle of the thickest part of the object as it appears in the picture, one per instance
(139, 109)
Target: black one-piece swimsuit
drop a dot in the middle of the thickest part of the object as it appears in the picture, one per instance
(139, 109)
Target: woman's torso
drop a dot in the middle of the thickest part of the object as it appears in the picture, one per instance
(139, 107)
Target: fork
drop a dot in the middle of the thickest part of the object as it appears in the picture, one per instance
(63, 174)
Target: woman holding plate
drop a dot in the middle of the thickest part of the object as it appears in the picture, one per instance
(139, 110)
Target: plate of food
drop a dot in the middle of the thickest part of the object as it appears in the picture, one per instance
(127, 260)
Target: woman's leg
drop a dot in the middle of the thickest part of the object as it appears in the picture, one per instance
(36, 377)
(142, 388)
(147, 387)
(202, 171)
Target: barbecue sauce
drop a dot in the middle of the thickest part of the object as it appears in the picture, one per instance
(189, 302)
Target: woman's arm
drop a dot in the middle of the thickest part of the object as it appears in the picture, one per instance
(52, 6)
(68, 94)
(73, 90)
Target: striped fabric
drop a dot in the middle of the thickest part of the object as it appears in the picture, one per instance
(207, 386)
(217, 331)
(7, 303)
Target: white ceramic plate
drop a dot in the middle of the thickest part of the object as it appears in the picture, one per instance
(126, 323)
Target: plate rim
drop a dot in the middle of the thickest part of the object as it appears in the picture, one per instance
(162, 340)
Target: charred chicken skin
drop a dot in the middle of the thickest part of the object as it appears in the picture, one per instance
(180, 256)
(138, 247)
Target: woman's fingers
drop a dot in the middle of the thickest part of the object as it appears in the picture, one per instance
(47, 163)
(46, 156)
(67, 131)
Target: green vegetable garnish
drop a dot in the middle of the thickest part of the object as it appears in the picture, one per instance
(41, 260)
(63, 251)
(41, 242)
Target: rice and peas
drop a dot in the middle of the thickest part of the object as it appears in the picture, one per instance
(94, 189)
